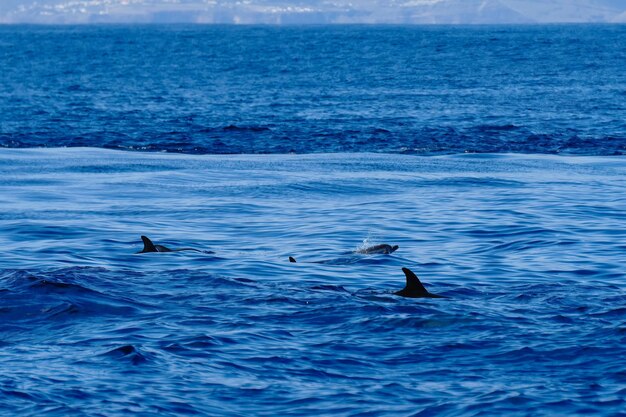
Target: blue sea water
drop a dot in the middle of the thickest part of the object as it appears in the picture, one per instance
(368, 135)
(221, 89)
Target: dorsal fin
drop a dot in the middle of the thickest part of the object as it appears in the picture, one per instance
(148, 246)
(291, 259)
(413, 283)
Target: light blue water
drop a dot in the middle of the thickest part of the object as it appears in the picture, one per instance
(528, 248)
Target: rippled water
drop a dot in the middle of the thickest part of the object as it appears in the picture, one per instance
(529, 250)
(413, 89)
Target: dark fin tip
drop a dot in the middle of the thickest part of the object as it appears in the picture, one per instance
(292, 260)
(413, 282)
(148, 246)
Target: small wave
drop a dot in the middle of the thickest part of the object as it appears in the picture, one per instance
(612, 313)
(521, 245)
(234, 139)
(235, 128)
(332, 288)
(472, 182)
(507, 232)
(496, 128)
(128, 353)
(57, 295)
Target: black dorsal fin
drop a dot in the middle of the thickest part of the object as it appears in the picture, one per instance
(148, 246)
(413, 284)
(292, 260)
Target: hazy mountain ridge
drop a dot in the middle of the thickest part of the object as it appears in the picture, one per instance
(311, 11)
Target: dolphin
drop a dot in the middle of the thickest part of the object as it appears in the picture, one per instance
(148, 246)
(414, 288)
(372, 250)
(378, 249)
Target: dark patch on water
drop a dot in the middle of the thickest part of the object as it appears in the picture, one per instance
(127, 353)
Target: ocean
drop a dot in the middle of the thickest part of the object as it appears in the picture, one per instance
(492, 155)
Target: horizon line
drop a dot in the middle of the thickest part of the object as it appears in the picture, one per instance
(140, 23)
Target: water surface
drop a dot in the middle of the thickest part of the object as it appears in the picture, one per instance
(528, 248)
(263, 89)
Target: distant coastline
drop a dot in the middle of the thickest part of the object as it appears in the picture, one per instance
(287, 25)
(313, 12)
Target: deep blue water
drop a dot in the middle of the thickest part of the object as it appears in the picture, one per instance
(212, 89)
(528, 246)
